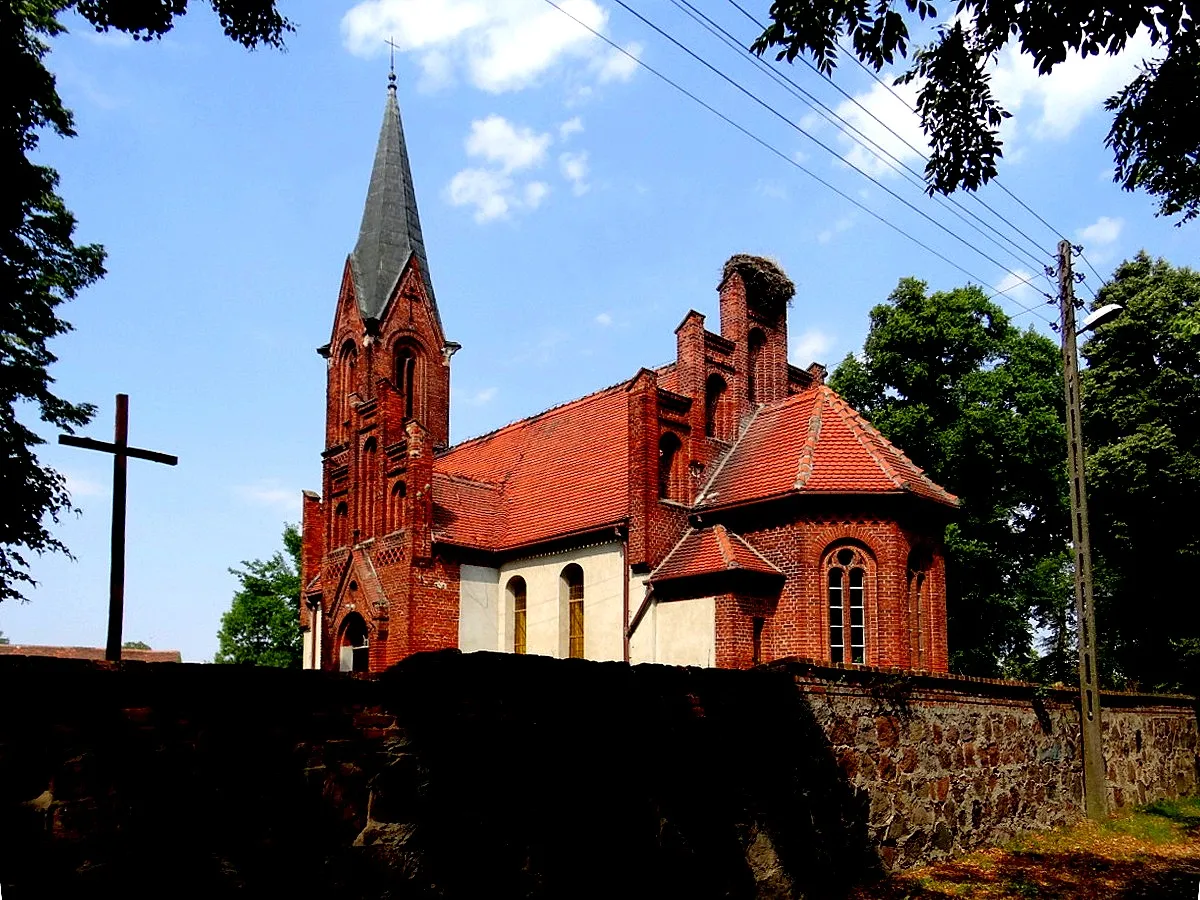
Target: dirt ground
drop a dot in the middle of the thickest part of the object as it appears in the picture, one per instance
(1148, 853)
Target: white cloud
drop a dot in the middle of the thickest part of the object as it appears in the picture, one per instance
(1053, 105)
(1104, 230)
(489, 192)
(270, 493)
(535, 193)
(880, 105)
(842, 224)
(574, 167)
(810, 346)
(481, 397)
(603, 319)
(570, 127)
(498, 140)
(1019, 286)
(500, 45)
(618, 66)
(80, 486)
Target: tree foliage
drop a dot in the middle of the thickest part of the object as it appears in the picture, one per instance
(1155, 144)
(41, 266)
(135, 645)
(1142, 427)
(978, 404)
(262, 626)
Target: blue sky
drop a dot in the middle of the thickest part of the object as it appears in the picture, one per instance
(574, 208)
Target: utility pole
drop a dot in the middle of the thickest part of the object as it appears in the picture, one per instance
(1095, 783)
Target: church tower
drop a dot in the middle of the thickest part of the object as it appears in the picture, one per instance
(387, 412)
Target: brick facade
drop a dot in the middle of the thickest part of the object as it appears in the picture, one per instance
(730, 435)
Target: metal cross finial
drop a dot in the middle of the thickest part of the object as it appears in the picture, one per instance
(392, 64)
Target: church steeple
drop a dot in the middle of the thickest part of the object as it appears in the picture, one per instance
(390, 233)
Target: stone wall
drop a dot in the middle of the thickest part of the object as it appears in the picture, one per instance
(493, 775)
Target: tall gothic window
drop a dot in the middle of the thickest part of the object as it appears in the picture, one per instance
(846, 578)
(396, 506)
(716, 408)
(516, 602)
(347, 383)
(341, 524)
(406, 377)
(370, 486)
(919, 563)
(670, 465)
(753, 371)
(571, 603)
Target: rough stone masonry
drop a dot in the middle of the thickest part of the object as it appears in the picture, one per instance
(466, 775)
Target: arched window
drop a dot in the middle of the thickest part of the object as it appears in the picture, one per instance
(846, 579)
(352, 647)
(396, 506)
(753, 374)
(406, 377)
(919, 562)
(571, 609)
(347, 380)
(670, 464)
(341, 524)
(516, 603)
(716, 408)
(370, 487)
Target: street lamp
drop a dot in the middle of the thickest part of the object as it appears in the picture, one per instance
(1095, 787)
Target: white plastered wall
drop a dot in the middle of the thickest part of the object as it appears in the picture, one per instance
(677, 633)
(478, 609)
(603, 602)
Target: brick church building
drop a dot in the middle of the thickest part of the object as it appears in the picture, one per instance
(723, 510)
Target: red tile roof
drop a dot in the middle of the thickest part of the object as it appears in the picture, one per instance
(560, 472)
(711, 550)
(169, 656)
(814, 443)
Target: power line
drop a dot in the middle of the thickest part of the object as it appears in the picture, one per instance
(815, 140)
(919, 153)
(857, 135)
(769, 147)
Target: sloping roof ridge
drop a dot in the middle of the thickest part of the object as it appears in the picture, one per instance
(530, 418)
(376, 586)
(870, 433)
(749, 546)
(679, 543)
(804, 469)
(464, 479)
(865, 435)
(702, 498)
(726, 551)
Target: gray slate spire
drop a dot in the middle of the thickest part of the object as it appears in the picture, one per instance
(391, 230)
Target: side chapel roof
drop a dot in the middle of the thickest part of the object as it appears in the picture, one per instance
(390, 233)
(709, 551)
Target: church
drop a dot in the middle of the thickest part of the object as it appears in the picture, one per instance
(727, 509)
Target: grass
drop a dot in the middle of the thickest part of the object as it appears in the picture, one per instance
(1141, 854)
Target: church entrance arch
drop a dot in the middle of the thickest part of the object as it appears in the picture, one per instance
(352, 644)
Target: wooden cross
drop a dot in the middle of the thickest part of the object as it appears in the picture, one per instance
(121, 452)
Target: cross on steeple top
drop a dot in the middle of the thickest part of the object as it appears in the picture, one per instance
(391, 64)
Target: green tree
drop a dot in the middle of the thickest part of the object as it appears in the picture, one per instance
(1154, 141)
(262, 627)
(135, 645)
(978, 404)
(41, 266)
(1141, 397)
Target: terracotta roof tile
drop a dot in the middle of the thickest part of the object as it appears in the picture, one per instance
(814, 443)
(560, 472)
(169, 656)
(709, 551)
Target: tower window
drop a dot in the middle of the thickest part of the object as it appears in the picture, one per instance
(670, 464)
(754, 374)
(846, 583)
(571, 603)
(716, 408)
(396, 506)
(406, 377)
(341, 524)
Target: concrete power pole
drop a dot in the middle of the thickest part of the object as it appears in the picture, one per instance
(1095, 784)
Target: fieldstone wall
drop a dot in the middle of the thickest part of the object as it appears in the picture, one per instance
(951, 764)
(492, 775)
